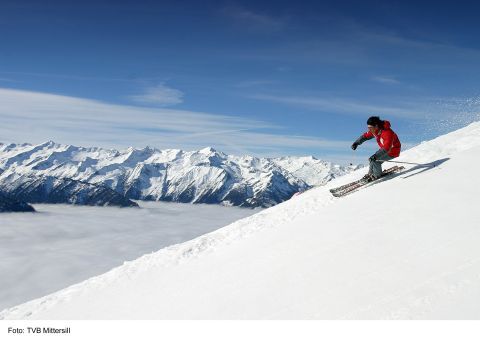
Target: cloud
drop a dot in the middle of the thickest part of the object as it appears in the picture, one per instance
(385, 80)
(253, 21)
(159, 95)
(425, 117)
(37, 117)
(348, 106)
(255, 83)
(345, 41)
(7, 80)
(78, 77)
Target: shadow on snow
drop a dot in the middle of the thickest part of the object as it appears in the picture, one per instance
(423, 167)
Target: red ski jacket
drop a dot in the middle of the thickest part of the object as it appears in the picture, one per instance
(386, 139)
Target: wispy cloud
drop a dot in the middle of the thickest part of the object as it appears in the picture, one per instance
(78, 77)
(159, 95)
(435, 116)
(385, 80)
(255, 83)
(253, 21)
(433, 45)
(345, 41)
(36, 117)
(347, 106)
(2, 79)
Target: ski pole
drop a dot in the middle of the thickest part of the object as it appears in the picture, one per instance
(408, 163)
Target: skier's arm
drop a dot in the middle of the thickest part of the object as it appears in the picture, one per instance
(364, 137)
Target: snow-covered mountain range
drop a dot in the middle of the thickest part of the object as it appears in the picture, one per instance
(34, 189)
(406, 248)
(51, 172)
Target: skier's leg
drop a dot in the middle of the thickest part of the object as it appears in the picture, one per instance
(376, 166)
(371, 168)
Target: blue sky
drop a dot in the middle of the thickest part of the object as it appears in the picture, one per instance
(247, 77)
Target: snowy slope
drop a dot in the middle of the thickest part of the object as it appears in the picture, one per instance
(403, 248)
(204, 176)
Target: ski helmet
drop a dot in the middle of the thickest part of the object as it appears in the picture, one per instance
(374, 121)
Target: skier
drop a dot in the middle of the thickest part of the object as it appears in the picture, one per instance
(387, 140)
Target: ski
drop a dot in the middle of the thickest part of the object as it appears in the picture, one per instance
(336, 189)
(345, 189)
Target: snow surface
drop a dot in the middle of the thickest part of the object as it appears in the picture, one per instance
(61, 245)
(407, 248)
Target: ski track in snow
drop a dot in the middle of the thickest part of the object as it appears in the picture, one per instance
(428, 296)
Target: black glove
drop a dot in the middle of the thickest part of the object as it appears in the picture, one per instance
(372, 158)
(355, 145)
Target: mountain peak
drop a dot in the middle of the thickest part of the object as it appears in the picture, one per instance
(48, 143)
(208, 150)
